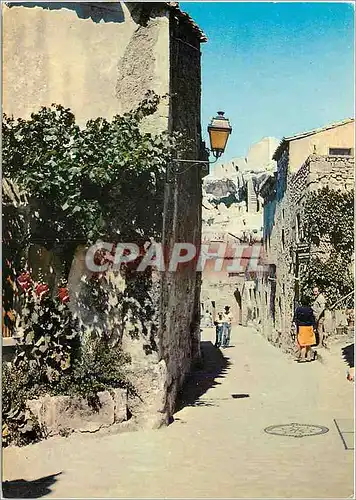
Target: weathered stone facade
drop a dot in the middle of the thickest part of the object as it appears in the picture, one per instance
(180, 291)
(284, 197)
(97, 58)
(100, 59)
(219, 286)
(232, 215)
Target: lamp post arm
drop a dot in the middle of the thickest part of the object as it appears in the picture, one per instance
(177, 160)
(192, 163)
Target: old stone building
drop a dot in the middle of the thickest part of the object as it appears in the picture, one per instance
(305, 163)
(100, 59)
(233, 216)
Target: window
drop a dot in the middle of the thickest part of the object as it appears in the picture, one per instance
(340, 151)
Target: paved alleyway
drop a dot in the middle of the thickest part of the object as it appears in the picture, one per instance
(217, 447)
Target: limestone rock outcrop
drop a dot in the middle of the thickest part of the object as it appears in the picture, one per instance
(231, 201)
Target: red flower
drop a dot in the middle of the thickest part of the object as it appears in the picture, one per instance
(25, 281)
(63, 295)
(103, 257)
(41, 289)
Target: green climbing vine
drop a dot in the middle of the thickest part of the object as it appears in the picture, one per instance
(329, 217)
(103, 181)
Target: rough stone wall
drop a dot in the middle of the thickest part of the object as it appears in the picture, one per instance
(281, 238)
(96, 58)
(291, 192)
(337, 172)
(145, 63)
(180, 290)
(277, 291)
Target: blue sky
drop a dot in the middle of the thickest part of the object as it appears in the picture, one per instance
(275, 68)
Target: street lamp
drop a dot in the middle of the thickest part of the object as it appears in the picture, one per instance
(219, 131)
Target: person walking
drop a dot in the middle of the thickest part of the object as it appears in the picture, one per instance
(305, 323)
(318, 307)
(218, 330)
(227, 320)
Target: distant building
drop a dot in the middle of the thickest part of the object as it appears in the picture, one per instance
(232, 214)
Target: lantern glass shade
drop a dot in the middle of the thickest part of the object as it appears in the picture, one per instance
(219, 131)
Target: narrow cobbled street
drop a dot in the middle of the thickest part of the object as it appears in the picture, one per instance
(217, 446)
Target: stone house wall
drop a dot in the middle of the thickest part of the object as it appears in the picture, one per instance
(180, 290)
(100, 59)
(97, 58)
(337, 172)
(278, 254)
(223, 289)
(340, 135)
(284, 237)
(224, 277)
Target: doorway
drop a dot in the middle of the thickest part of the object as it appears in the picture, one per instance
(238, 299)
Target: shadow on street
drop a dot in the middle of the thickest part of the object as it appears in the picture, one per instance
(37, 488)
(348, 354)
(214, 367)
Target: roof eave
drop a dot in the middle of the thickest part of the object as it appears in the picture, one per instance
(319, 130)
(286, 140)
(174, 6)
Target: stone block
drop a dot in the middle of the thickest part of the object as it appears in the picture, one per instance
(120, 405)
(67, 414)
(148, 407)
